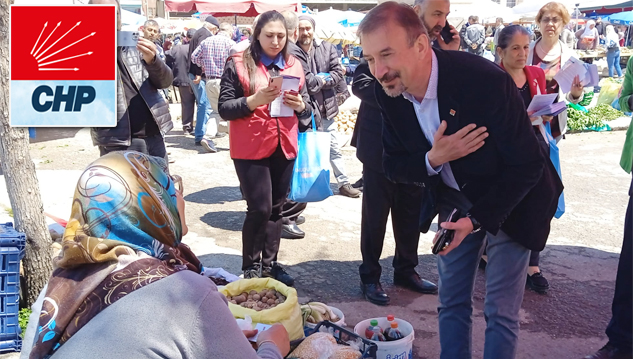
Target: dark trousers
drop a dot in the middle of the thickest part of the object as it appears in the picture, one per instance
(153, 146)
(265, 184)
(188, 105)
(291, 210)
(620, 328)
(380, 196)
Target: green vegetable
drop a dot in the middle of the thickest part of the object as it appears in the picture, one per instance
(23, 319)
(586, 100)
(594, 119)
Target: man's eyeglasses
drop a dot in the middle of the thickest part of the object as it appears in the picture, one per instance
(178, 183)
(553, 20)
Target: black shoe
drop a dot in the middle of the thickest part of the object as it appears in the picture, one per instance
(291, 231)
(220, 135)
(358, 184)
(611, 352)
(208, 145)
(300, 220)
(279, 273)
(347, 190)
(187, 132)
(415, 283)
(253, 272)
(537, 283)
(374, 293)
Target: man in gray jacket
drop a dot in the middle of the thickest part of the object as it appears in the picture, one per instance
(475, 36)
(324, 62)
(142, 111)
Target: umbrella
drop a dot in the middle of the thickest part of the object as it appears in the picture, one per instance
(529, 9)
(621, 18)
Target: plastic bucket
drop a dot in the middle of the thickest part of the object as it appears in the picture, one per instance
(398, 349)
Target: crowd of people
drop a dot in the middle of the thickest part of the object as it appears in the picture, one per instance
(431, 144)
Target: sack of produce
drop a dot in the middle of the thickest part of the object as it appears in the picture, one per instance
(609, 90)
(266, 301)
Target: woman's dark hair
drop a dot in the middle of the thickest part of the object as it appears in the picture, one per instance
(253, 53)
(508, 32)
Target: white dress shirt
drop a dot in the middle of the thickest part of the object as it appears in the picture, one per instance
(428, 115)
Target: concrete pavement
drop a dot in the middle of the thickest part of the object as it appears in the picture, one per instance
(580, 259)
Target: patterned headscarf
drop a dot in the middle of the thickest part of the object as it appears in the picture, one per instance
(124, 233)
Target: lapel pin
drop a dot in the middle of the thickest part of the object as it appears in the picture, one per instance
(452, 112)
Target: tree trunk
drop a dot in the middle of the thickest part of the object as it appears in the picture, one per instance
(22, 184)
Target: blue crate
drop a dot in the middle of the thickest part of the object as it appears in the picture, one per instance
(12, 245)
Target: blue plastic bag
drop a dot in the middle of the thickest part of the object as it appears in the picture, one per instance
(555, 158)
(311, 174)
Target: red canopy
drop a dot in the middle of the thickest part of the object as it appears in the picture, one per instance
(231, 6)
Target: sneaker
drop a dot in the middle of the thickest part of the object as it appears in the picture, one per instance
(537, 283)
(208, 145)
(358, 184)
(349, 191)
(279, 273)
(253, 272)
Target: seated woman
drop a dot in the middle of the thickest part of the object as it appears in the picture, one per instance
(125, 286)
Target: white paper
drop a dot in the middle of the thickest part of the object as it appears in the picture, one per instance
(277, 107)
(260, 328)
(540, 102)
(572, 68)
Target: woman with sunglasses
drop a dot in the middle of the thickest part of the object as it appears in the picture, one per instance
(263, 147)
(550, 54)
(124, 286)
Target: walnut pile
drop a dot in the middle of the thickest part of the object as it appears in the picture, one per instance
(265, 299)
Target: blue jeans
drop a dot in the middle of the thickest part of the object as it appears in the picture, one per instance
(613, 61)
(506, 274)
(204, 107)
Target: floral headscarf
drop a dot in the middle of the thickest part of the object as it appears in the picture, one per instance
(124, 233)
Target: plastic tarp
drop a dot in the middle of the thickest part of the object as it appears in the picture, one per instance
(528, 9)
(230, 6)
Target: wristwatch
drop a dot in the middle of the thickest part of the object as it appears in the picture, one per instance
(476, 224)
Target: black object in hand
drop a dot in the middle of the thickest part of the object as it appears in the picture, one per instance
(446, 33)
(445, 236)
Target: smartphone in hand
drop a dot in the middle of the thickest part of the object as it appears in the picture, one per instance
(446, 33)
(276, 82)
(127, 38)
(445, 236)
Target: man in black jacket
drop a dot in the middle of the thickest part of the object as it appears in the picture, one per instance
(472, 150)
(178, 60)
(142, 111)
(380, 196)
(324, 62)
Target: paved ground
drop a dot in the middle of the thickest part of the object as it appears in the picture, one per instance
(580, 259)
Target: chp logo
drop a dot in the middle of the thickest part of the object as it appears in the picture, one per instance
(63, 66)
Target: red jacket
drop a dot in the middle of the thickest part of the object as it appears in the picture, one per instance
(536, 78)
(257, 136)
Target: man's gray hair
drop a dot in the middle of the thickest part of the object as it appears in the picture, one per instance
(291, 20)
(225, 26)
(397, 13)
(151, 23)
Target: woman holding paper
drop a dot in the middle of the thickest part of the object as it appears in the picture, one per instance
(550, 54)
(513, 48)
(263, 137)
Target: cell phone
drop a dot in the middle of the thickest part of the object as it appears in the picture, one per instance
(276, 82)
(445, 236)
(127, 38)
(446, 33)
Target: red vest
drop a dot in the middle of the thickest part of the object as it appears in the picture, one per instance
(257, 136)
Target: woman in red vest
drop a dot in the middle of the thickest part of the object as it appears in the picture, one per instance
(513, 48)
(263, 148)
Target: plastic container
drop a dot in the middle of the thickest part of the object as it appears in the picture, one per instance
(11, 252)
(343, 336)
(402, 348)
(369, 331)
(340, 322)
